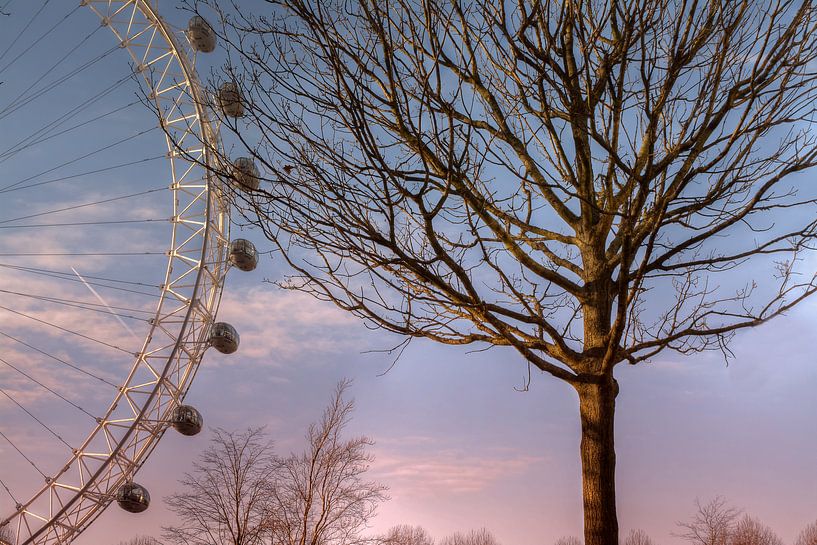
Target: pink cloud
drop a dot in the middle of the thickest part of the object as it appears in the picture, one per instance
(278, 326)
(429, 471)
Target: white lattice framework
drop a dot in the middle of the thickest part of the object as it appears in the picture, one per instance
(178, 335)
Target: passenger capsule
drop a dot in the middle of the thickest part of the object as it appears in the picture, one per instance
(186, 420)
(243, 254)
(224, 338)
(133, 497)
(246, 174)
(201, 35)
(230, 100)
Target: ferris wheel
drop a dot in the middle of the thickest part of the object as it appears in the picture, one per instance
(114, 246)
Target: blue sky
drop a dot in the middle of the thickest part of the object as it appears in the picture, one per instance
(456, 442)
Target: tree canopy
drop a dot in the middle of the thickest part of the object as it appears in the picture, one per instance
(586, 182)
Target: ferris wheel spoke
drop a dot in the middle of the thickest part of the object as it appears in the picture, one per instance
(39, 138)
(65, 277)
(47, 388)
(80, 158)
(71, 277)
(83, 174)
(78, 254)
(136, 315)
(83, 223)
(154, 259)
(102, 308)
(24, 29)
(2, 483)
(23, 96)
(66, 330)
(60, 360)
(40, 422)
(84, 205)
(47, 128)
(40, 38)
(21, 453)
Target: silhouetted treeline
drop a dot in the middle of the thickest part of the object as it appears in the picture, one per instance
(718, 523)
(713, 523)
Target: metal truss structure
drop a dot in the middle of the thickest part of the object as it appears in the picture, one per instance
(165, 365)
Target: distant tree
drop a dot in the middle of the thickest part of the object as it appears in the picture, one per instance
(750, 531)
(712, 524)
(474, 537)
(568, 540)
(240, 493)
(557, 177)
(141, 540)
(638, 537)
(404, 534)
(808, 536)
(6, 536)
(320, 496)
(226, 499)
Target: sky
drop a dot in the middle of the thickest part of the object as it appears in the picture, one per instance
(457, 443)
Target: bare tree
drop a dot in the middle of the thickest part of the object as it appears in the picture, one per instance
(240, 493)
(321, 496)
(6, 536)
(750, 531)
(568, 540)
(474, 537)
(712, 524)
(225, 499)
(141, 540)
(808, 536)
(404, 534)
(638, 537)
(554, 177)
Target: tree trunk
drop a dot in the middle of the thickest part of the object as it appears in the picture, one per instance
(597, 404)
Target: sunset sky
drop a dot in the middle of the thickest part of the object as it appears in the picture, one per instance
(457, 442)
(460, 448)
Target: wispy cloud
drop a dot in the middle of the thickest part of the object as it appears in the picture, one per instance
(417, 466)
(278, 326)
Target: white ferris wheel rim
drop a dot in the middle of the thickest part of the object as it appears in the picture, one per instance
(71, 499)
